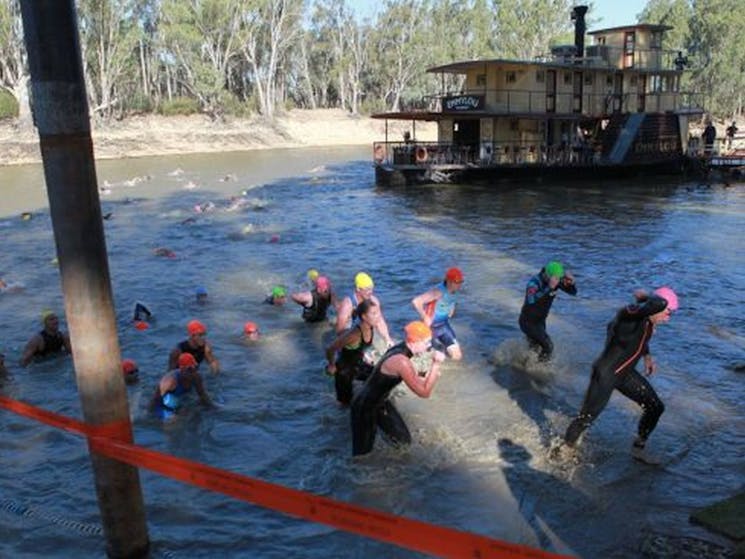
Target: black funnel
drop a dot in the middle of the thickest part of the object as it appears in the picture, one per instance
(578, 17)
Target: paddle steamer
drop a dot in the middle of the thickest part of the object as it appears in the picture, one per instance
(613, 108)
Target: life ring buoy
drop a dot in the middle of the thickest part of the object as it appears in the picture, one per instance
(421, 154)
(379, 154)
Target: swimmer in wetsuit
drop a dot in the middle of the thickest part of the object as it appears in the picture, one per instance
(197, 345)
(49, 341)
(346, 309)
(539, 296)
(351, 346)
(175, 384)
(315, 302)
(372, 408)
(436, 306)
(627, 341)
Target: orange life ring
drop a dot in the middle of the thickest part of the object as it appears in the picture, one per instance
(379, 153)
(421, 154)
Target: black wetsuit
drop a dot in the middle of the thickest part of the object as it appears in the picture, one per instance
(626, 342)
(197, 352)
(538, 300)
(372, 406)
(317, 310)
(53, 343)
(351, 365)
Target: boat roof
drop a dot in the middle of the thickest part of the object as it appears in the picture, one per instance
(462, 66)
(646, 26)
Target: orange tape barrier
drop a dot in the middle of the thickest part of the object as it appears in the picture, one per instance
(404, 532)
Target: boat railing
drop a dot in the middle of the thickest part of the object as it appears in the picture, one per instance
(415, 153)
(531, 102)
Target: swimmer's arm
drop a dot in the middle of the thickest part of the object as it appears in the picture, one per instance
(342, 315)
(567, 284)
(304, 298)
(421, 386)
(203, 396)
(66, 342)
(421, 301)
(173, 358)
(346, 338)
(533, 292)
(211, 359)
(34, 345)
(652, 304)
(167, 383)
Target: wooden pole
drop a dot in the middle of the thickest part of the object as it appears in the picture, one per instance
(60, 110)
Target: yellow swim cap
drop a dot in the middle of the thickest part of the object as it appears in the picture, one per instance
(312, 274)
(363, 281)
(45, 314)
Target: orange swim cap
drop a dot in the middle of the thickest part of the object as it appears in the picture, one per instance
(195, 327)
(186, 360)
(141, 325)
(417, 331)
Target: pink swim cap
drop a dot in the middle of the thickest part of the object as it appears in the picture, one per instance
(323, 283)
(668, 295)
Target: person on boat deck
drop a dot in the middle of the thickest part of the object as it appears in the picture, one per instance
(709, 136)
(49, 341)
(436, 306)
(539, 296)
(345, 312)
(731, 131)
(350, 347)
(197, 345)
(169, 393)
(627, 341)
(372, 408)
(277, 297)
(315, 302)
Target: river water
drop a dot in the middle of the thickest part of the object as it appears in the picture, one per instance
(478, 462)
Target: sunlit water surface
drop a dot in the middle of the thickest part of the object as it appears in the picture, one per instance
(478, 462)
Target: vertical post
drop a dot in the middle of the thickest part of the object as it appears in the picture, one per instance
(60, 109)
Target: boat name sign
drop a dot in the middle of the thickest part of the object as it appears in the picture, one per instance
(463, 103)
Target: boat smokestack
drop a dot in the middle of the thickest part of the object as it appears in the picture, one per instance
(578, 17)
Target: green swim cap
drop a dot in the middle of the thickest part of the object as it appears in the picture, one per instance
(554, 269)
(278, 291)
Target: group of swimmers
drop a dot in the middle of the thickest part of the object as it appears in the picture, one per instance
(359, 318)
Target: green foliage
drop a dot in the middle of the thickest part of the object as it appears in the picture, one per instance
(8, 105)
(179, 106)
(234, 106)
(138, 103)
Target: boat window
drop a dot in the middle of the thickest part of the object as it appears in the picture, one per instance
(656, 40)
(511, 77)
(480, 79)
(567, 78)
(540, 76)
(589, 78)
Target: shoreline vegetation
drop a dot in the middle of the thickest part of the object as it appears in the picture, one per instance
(152, 135)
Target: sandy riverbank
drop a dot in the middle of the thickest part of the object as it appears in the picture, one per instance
(157, 135)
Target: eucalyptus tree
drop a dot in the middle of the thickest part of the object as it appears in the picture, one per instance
(716, 43)
(272, 27)
(202, 38)
(108, 36)
(13, 72)
(526, 28)
(401, 46)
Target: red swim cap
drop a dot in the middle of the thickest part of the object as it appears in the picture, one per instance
(186, 360)
(195, 327)
(129, 366)
(141, 325)
(454, 274)
(250, 327)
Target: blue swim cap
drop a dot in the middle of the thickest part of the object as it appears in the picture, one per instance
(201, 290)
